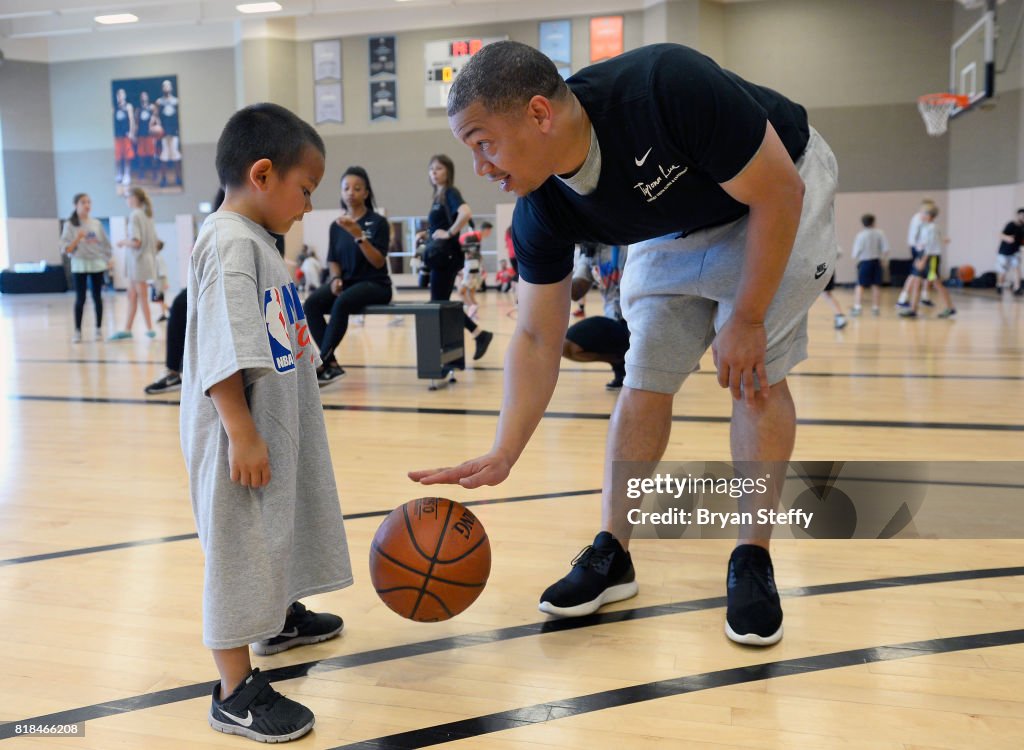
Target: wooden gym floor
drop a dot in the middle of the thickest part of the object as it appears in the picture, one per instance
(912, 644)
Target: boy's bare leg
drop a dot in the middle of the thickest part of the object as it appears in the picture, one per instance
(234, 666)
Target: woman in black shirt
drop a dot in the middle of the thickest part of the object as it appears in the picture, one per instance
(356, 258)
(448, 215)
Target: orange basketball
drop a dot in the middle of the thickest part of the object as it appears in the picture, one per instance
(966, 274)
(430, 559)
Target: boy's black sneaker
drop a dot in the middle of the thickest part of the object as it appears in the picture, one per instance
(169, 382)
(329, 374)
(257, 711)
(301, 628)
(754, 614)
(483, 340)
(602, 573)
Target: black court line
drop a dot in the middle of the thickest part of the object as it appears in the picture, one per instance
(447, 411)
(469, 503)
(348, 517)
(451, 643)
(590, 370)
(543, 712)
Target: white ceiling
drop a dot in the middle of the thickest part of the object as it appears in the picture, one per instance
(63, 30)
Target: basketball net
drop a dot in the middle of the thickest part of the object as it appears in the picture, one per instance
(936, 109)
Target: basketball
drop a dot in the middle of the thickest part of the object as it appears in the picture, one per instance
(966, 274)
(430, 559)
(156, 130)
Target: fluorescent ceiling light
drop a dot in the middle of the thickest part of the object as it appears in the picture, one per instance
(258, 7)
(116, 18)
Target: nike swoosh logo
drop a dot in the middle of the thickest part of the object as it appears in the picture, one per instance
(820, 271)
(641, 160)
(247, 721)
(289, 633)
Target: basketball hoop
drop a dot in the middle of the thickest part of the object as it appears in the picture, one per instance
(936, 109)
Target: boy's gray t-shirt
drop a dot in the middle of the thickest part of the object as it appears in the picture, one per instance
(264, 548)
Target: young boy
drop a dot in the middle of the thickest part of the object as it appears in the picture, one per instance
(471, 277)
(1008, 259)
(869, 247)
(160, 283)
(252, 427)
(926, 267)
(913, 232)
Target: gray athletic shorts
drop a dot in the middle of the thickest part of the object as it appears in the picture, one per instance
(677, 292)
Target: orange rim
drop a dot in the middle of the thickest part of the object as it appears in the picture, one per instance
(938, 100)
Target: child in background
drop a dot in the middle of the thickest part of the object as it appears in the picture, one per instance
(161, 283)
(869, 247)
(926, 268)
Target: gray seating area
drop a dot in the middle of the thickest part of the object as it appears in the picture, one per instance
(439, 337)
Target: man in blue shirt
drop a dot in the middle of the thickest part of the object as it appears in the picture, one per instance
(724, 194)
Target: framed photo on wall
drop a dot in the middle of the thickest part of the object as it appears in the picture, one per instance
(556, 43)
(605, 38)
(327, 60)
(147, 134)
(383, 100)
(329, 104)
(382, 57)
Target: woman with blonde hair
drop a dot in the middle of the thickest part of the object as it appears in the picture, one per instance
(140, 260)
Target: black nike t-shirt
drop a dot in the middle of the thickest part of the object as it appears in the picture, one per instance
(1015, 230)
(672, 125)
(343, 250)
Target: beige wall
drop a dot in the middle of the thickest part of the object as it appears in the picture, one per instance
(857, 66)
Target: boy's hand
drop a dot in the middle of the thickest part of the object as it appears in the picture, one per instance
(249, 461)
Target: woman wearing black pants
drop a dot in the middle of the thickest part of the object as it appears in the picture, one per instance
(448, 215)
(87, 244)
(356, 256)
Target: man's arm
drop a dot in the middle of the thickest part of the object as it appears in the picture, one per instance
(531, 371)
(773, 189)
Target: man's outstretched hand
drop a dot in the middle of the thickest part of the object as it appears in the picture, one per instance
(489, 469)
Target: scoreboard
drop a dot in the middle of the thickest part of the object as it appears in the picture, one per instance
(443, 60)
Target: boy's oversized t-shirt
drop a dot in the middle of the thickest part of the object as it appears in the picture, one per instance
(265, 548)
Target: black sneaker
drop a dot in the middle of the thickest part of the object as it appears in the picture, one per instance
(257, 711)
(927, 303)
(329, 374)
(482, 342)
(602, 573)
(754, 614)
(301, 627)
(169, 382)
(620, 375)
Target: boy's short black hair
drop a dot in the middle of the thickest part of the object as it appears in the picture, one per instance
(868, 220)
(263, 131)
(486, 225)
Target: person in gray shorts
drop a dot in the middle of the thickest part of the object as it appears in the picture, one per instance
(725, 195)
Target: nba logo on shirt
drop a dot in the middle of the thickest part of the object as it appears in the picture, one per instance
(277, 330)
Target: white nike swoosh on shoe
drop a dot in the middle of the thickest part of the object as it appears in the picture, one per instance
(288, 633)
(247, 721)
(642, 159)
